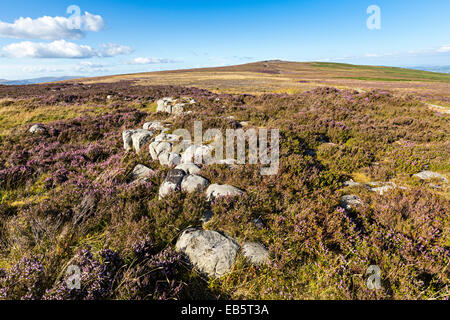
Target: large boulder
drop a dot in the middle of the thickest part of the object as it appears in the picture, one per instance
(255, 253)
(428, 175)
(209, 251)
(193, 182)
(172, 182)
(222, 190)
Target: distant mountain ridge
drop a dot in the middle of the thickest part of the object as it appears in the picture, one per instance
(36, 80)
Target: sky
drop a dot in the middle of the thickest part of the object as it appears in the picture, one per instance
(43, 38)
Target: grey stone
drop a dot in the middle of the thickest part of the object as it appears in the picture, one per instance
(37, 128)
(193, 152)
(428, 175)
(209, 251)
(222, 190)
(193, 182)
(351, 183)
(140, 137)
(255, 253)
(140, 172)
(153, 125)
(170, 159)
(207, 215)
(127, 141)
(189, 168)
(157, 147)
(351, 201)
(172, 182)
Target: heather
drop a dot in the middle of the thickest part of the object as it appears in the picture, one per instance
(66, 198)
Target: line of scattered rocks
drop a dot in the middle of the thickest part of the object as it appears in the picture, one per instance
(211, 252)
(352, 201)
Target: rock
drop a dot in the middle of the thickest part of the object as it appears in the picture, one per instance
(222, 190)
(127, 141)
(351, 201)
(192, 152)
(255, 253)
(189, 168)
(140, 172)
(166, 137)
(170, 159)
(259, 223)
(209, 251)
(168, 105)
(182, 146)
(153, 125)
(193, 182)
(172, 182)
(140, 137)
(351, 183)
(37, 128)
(207, 215)
(178, 108)
(164, 104)
(230, 163)
(157, 147)
(381, 187)
(427, 175)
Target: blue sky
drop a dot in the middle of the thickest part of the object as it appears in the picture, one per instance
(138, 36)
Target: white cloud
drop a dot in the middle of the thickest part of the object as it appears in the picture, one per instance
(142, 60)
(62, 49)
(89, 67)
(444, 49)
(51, 28)
(40, 69)
(112, 49)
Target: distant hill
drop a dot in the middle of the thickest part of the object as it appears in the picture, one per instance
(35, 80)
(441, 69)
